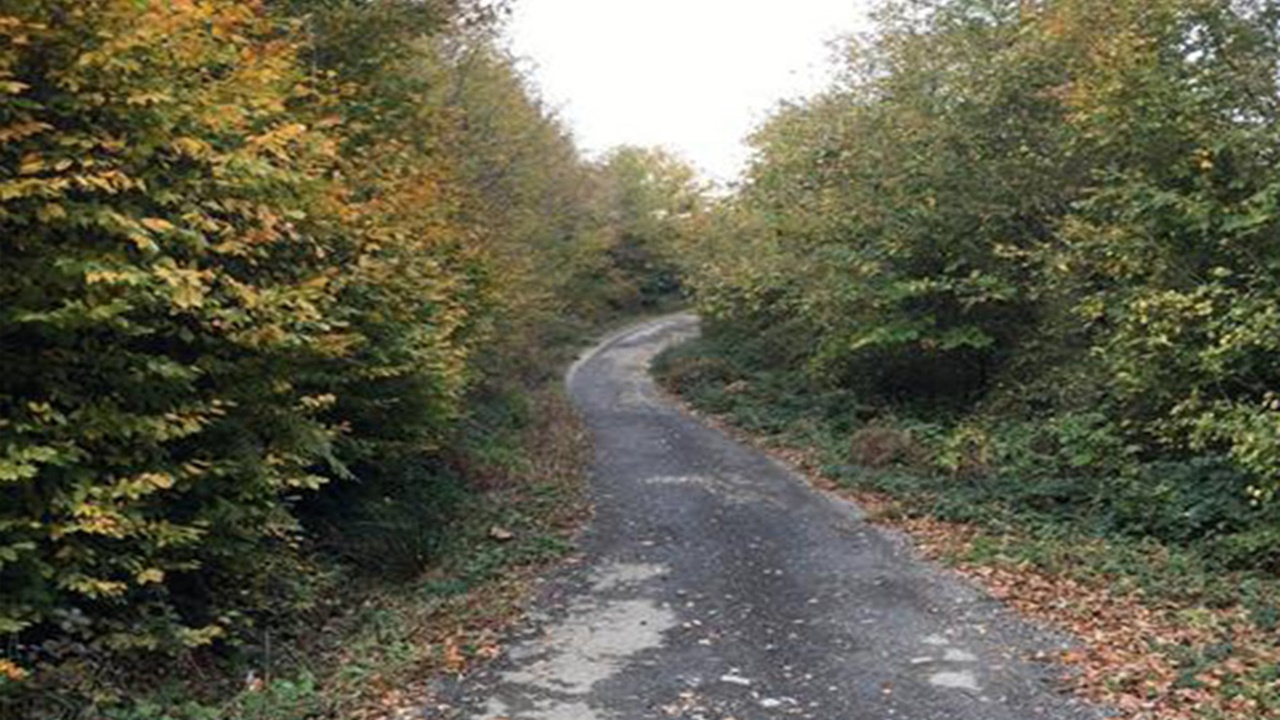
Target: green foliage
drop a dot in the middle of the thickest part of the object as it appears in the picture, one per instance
(649, 197)
(1055, 244)
(1181, 531)
(893, 210)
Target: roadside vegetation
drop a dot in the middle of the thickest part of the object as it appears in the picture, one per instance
(286, 287)
(1012, 280)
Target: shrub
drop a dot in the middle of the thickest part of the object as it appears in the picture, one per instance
(880, 446)
(164, 287)
(1058, 245)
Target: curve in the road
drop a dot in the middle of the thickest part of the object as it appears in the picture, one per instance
(718, 585)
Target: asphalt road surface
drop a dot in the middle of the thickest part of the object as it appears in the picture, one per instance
(718, 585)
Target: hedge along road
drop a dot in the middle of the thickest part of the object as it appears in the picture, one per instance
(717, 584)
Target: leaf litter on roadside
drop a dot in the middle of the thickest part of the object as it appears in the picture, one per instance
(1146, 659)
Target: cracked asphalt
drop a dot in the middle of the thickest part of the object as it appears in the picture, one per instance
(717, 585)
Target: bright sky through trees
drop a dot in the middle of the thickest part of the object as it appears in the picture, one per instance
(692, 75)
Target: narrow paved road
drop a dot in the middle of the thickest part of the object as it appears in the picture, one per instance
(718, 585)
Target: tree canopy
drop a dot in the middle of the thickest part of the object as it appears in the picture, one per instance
(259, 263)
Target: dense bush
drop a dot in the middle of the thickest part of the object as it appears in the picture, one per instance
(172, 275)
(1056, 244)
(263, 267)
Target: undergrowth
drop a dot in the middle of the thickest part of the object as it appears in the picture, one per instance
(388, 628)
(418, 570)
(423, 584)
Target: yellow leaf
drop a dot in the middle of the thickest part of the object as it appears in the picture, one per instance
(11, 671)
(191, 147)
(187, 286)
(30, 164)
(150, 575)
(157, 224)
(106, 277)
(198, 637)
(51, 212)
(160, 481)
(22, 130)
(94, 587)
(144, 243)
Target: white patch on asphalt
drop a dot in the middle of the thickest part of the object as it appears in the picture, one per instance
(495, 709)
(593, 643)
(958, 655)
(698, 480)
(958, 680)
(618, 574)
(735, 489)
(951, 679)
(595, 640)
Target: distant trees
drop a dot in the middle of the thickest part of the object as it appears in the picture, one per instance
(649, 200)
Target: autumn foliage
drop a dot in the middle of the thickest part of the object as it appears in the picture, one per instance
(250, 251)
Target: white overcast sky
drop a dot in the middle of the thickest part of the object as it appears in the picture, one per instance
(694, 76)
